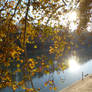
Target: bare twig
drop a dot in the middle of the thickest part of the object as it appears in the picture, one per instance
(53, 12)
(19, 1)
(15, 9)
(2, 9)
(64, 3)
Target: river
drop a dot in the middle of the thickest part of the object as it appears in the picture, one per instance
(62, 79)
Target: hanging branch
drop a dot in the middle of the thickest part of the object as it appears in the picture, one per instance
(24, 44)
(28, 5)
(19, 1)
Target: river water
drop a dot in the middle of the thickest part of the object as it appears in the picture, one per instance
(66, 78)
(62, 79)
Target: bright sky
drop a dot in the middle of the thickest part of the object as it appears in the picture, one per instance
(69, 19)
(89, 28)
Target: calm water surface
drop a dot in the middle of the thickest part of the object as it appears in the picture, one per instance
(62, 79)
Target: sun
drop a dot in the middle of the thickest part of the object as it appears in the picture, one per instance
(72, 16)
(73, 19)
(73, 64)
(70, 19)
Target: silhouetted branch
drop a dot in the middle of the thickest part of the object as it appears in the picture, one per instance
(19, 1)
(64, 2)
(54, 11)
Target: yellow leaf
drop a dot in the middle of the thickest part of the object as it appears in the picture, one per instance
(54, 88)
(45, 84)
(50, 88)
(51, 82)
(33, 73)
(13, 53)
(30, 59)
(35, 46)
(47, 66)
(38, 89)
(14, 87)
(18, 65)
(21, 61)
(31, 66)
(1, 40)
(50, 62)
(46, 72)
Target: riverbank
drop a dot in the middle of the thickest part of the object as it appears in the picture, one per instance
(84, 85)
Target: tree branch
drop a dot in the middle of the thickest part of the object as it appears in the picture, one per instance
(25, 50)
(64, 3)
(19, 1)
(53, 12)
(28, 5)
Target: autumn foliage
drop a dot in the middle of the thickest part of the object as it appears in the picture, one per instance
(23, 23)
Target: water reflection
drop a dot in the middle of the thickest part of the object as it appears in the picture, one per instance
(73, 63)
(77, 65)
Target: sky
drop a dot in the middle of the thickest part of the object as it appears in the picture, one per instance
(69, 19)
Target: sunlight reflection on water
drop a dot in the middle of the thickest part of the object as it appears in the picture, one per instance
(63, 79)
(73, 63)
